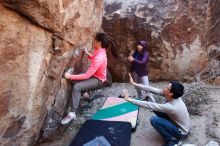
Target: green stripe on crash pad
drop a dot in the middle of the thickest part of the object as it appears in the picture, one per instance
(114, 111)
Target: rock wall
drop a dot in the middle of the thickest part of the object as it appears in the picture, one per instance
(39, 40)
(182, 36)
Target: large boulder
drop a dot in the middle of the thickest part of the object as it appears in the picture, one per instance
(180, 35)
(39, 40)
(70, 20)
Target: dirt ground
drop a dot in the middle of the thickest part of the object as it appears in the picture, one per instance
(204, 127)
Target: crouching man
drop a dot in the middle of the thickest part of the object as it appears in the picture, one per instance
(172, 119)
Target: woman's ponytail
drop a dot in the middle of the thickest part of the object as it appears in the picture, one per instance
(106, 42)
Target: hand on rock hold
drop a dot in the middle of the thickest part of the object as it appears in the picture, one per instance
(67, 75)
(86, 51)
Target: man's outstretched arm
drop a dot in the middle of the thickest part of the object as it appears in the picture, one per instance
(150, 105)
(150, 89)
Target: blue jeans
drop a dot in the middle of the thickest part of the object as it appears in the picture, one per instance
(166, 128)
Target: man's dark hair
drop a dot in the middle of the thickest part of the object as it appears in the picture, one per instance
(103, 38)
(177, 89)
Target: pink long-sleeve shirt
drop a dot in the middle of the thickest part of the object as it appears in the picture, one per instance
(97, 68)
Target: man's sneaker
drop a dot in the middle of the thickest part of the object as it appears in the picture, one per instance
(173, 143)
(179, 143)
(71, 116)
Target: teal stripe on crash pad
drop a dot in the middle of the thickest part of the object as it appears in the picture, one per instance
(114, 111)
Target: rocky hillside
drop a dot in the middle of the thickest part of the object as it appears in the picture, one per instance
(182, 36)
(39, 39)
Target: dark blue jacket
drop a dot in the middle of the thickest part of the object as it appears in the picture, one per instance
(139, 65)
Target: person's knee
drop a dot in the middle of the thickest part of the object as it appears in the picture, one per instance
(154, 120)
(77, 88)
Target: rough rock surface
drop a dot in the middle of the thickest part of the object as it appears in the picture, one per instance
(182, 36)
(39, 40)
(71, 20)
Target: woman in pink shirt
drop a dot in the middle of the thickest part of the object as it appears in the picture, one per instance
(93, 78)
